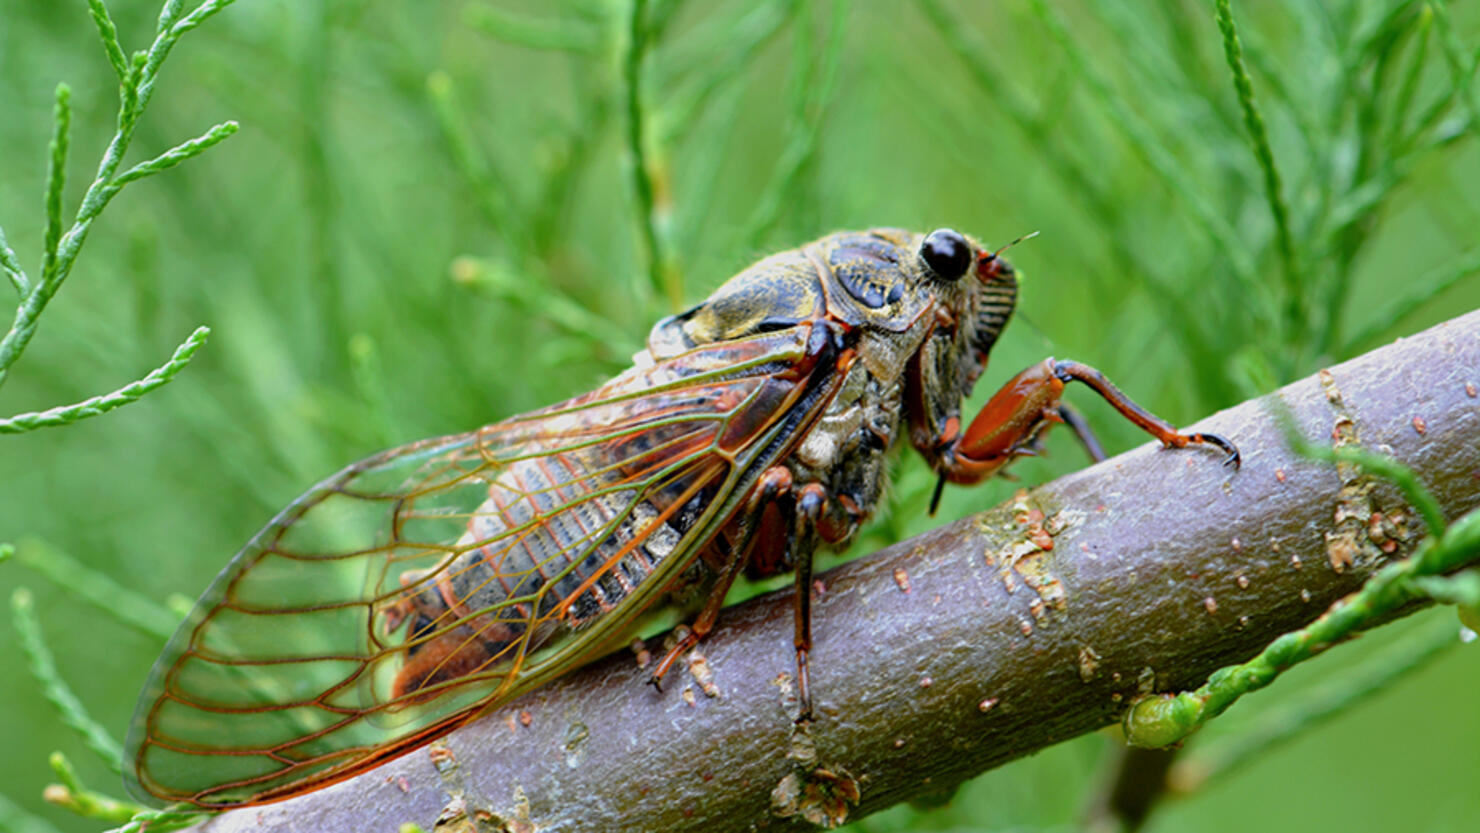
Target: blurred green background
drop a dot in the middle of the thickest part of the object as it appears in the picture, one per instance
(429, 221)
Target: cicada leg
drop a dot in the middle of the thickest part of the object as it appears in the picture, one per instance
(811, 504)
(1077, 423)
(1029, 403)
(774, 483)
(774, 500)
(707, 617)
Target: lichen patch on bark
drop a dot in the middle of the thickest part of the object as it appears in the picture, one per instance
(1362, 533)
(1026, 555)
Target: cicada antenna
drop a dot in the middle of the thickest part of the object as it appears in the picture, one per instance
(1029, 236)
(1039, 331)
(991, 265)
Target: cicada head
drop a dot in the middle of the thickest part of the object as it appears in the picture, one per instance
(974, 291)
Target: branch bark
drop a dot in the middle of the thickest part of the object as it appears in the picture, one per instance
(969, 646)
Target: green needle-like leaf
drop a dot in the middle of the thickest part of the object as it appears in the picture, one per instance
(98, 405)
(177, 154)
(43, 668)
(109, 33)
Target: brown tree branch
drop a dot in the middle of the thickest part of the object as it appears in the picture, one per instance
(971, 645)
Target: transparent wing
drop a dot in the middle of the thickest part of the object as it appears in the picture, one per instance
(418, 587)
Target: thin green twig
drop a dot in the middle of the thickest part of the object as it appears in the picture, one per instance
(1297, 106)
(811, 95)
(1461, 67)
(1413, 489)
(1428, 286)
(1295, 314)
(61, 249)
(1461, 589)
(44, 669)
(169, 15)
(56, 180)
(95, 588)
(1307, 709)
(109, 35)
(160, 821)
(73, 796)
(661, 272)
(475, 166)
(12, 266)
(102, 404)
(1164, 720)
(1408, 88)
(177, 154)
(15, 819)
(548, 34)
(1151, 152)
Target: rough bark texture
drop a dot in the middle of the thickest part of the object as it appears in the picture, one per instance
(971, 645)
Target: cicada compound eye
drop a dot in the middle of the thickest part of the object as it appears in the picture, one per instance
(947, 254)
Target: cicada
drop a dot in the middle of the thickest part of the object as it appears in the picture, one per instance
(419, 588)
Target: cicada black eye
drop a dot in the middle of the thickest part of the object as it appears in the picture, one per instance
(947, 254)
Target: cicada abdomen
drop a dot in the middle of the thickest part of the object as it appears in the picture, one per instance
(564, 537)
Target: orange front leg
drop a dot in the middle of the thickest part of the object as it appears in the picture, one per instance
(1028, 404)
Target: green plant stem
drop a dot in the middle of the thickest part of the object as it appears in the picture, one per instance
(1295, 314)
(1307, 709)
(15, 819)
(1461, 67)
(12, 267)
(56, 179)
(160, 821)
(1408, 89)
(810, 96)
(662, 277)
(73, 796)
(102, 404)
(489, 184)
(1151, 152)
(134, 95)
(321, 191)
(43, 668)
(550, 34)
(95, 588)
(1417, 495)
(177, 154)
(1162, 720)
(109, 35)
(1428, 286)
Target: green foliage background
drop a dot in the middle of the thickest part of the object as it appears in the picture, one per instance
(429, 220)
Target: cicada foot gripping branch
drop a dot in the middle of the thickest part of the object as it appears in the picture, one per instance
(428, 584)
